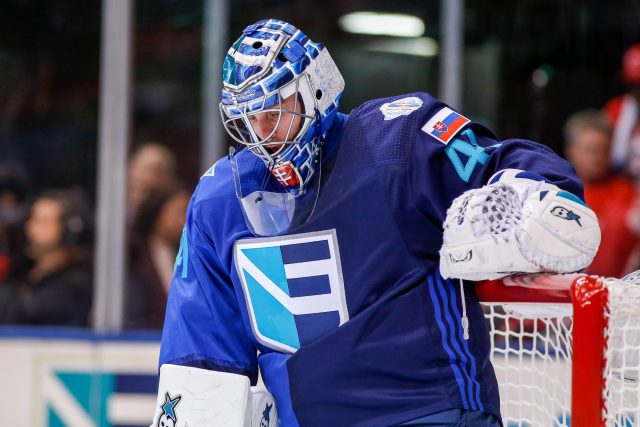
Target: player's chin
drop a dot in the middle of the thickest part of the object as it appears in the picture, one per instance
(274, 148)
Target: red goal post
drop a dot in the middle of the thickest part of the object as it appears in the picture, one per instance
(565, 348)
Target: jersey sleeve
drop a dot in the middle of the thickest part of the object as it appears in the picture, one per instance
(441, 172)
(203, 326)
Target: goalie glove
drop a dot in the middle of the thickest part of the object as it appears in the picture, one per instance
(517, 224)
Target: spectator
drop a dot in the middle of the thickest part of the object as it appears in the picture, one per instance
(622, 112)
(610, 195)
(57, 288)
(156, 233)
(13, 213)
(152, 167)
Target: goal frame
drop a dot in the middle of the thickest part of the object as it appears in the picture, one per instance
(589, 297)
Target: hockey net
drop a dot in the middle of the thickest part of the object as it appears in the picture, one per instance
(565, 348)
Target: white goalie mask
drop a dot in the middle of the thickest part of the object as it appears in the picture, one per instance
(279, 99)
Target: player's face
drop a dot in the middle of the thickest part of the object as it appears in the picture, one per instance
(274, 126)
(589, 153)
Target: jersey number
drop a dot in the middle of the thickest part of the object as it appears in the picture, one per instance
(182, 259)
(470, 150)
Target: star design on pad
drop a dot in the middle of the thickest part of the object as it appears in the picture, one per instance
(169, 405)
(266, 412)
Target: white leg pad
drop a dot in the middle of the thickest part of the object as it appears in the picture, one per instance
(198, 397)
(264, 408)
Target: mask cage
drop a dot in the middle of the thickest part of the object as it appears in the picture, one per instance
(237, 119)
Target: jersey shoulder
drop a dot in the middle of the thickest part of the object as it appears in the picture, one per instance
(216, 182)
(393, 113)
(214, 205)
(388, 129)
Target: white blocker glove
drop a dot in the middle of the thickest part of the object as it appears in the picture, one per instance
(517, 224)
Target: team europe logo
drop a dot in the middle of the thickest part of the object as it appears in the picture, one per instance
(293, 287)
(168, 417)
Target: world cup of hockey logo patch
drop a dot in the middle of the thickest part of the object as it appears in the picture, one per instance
(168, 416)
(293, 287)
(400, 107)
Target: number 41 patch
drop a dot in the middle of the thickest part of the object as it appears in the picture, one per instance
(473, 152)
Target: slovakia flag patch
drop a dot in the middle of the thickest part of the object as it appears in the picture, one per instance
(445, 124)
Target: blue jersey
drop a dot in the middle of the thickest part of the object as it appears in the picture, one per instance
(352, 321)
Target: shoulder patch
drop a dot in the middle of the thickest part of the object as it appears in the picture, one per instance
(211, 171)
(400, 107)
(445, 124)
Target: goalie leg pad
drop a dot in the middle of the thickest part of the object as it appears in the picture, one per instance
(264, 409)
(190, 396)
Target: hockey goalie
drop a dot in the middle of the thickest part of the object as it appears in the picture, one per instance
(321, 252)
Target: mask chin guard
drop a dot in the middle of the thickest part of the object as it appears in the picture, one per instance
(267, 207)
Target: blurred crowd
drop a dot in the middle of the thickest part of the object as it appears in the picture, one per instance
(46, 245)
(604, 147)
(46, 238)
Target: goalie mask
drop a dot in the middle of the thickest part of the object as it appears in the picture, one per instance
(279, 99)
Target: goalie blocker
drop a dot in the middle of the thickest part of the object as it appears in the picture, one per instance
(198, 397)
(518, 223)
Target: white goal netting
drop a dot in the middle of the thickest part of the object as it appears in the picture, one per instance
(532, 353)
(621, 391)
